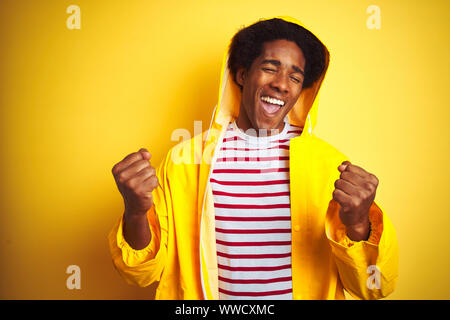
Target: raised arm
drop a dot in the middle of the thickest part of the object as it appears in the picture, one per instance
(136, 179)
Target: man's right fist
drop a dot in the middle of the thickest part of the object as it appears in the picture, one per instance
(136, 179)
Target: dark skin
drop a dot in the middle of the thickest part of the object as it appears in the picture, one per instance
(355, 192)
(278, 73)
(136, 179)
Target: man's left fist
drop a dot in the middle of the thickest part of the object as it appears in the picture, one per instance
(355, 193)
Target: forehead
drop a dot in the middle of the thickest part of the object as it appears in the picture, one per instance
(287, 52)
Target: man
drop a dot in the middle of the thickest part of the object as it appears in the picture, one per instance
(263, 209)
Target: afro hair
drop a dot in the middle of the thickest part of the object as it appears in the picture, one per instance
(247, 45)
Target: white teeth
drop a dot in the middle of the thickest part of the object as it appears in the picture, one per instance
(272, 100)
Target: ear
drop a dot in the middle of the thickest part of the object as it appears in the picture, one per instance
(240, 76)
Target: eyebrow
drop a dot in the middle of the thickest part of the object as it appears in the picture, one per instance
(278, 63)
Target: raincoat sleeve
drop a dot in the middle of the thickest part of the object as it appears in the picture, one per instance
(367, 269)
(143, 267)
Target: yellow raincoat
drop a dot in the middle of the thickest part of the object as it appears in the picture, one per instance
(182, 252)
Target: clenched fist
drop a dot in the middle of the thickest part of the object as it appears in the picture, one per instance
(136, 179)
(355, 193)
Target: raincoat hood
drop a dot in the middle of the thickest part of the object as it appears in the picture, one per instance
(302, 114)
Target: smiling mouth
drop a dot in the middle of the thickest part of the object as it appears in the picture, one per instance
(271, 105)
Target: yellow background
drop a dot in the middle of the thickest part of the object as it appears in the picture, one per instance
(75, 102)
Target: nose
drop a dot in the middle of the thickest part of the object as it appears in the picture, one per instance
(280, 83)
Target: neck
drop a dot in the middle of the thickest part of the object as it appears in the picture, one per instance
(244, 123)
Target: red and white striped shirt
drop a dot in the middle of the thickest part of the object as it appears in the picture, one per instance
(250, 185)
